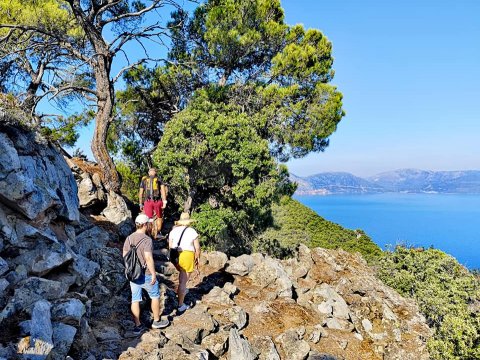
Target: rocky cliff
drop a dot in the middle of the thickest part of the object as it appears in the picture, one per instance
(54, 262)
(62, 290)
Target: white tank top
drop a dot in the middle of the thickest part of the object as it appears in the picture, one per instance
(187, 239)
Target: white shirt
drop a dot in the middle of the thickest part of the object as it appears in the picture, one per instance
(187, 239)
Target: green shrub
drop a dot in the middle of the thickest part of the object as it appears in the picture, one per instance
(447, 294)
(130, 180)
(223, 229)
(294, 223)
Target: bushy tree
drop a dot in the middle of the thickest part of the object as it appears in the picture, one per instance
(447, 294)
(276, 74)
(217, 165)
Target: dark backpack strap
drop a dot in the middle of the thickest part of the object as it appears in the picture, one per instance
(136, 247)
(179, 240)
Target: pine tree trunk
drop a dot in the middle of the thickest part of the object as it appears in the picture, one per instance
(103, 119)
(101, 65)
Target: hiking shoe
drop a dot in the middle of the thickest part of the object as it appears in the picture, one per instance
(139, 330)
(183, 308)
(160, 324)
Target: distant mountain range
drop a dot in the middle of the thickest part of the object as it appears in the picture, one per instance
(404, 180)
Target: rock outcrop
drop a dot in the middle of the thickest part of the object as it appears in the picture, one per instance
(322, 304)
(54, 263)
(95, 199)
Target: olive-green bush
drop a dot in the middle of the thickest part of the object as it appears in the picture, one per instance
(447, 294)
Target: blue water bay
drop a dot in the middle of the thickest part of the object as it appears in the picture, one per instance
(450, 222)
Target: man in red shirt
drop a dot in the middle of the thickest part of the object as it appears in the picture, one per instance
(152, 199)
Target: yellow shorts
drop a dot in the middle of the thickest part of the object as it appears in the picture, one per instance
(186, 261)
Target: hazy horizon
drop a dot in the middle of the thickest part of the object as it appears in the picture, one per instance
(377, 173)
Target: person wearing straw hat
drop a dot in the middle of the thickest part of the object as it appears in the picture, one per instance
(185, 239)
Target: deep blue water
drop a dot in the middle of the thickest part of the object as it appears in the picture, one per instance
(449, 222)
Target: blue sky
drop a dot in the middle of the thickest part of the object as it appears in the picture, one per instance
(410, 75)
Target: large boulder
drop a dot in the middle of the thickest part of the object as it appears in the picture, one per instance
(118, 213)
(195, 325)
(240, 265)
(27, 160)
(30, 291)
(3, 266)
(264, 346)
(44, 257)
(68, 311)
(63, 336)
(293, 346)
(271, 274)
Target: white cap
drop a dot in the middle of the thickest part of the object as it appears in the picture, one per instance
(142, 219)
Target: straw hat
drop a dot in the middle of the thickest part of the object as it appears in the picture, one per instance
(184, 219)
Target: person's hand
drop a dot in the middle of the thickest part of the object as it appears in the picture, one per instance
(154, 280)
(164, 204)
(141, 207)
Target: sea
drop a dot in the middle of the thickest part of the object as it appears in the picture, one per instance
(449, 222)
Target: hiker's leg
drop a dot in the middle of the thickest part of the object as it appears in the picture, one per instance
(136, 298)
(154, 227)
(182, 286)
(156, 309)
(158, 220)
(154, 293)
(148, 208)
(135, 307)
(158, 225)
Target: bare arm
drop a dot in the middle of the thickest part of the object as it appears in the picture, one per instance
(164, 195)
(150, 266)
(140, 196)
(196, 244)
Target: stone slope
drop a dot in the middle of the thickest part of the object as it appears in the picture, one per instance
(323, 304)
(55, 266)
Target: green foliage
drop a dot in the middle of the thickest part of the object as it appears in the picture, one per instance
(241, 90)
(218, 166)
(130, 180)
(49, 15)
(150, 100)
(447, 294)
(64, 130)
(294, 223)
(242, 54)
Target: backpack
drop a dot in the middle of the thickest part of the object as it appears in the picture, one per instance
(156, 183)
(133, 268)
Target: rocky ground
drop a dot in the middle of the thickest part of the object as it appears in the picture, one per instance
(323, 304)
(63, 293)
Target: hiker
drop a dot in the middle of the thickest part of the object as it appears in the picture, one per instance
(152, 199)
(185, 238)
(148, 279)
